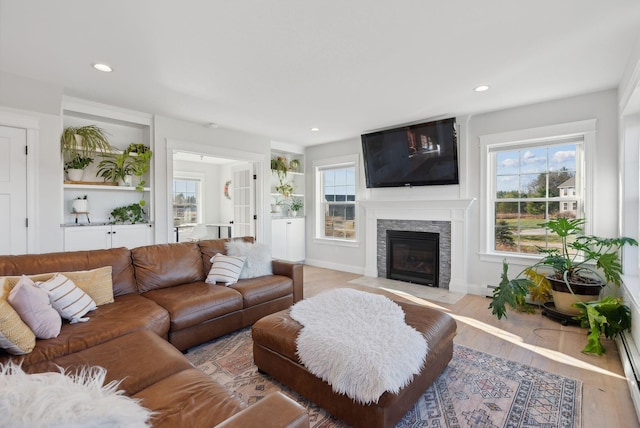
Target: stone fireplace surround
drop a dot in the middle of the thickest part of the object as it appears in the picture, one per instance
(453, 211)
(443, 228)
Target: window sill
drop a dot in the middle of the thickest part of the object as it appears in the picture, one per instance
(336, 242)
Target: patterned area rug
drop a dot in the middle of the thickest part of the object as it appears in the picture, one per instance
(476, 389)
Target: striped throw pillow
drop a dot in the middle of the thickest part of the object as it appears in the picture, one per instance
(70, 301)
(225, 269)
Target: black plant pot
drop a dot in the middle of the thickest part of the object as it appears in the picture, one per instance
(563, 299)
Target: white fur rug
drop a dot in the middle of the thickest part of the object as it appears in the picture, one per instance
(358, 342)
(57, 400)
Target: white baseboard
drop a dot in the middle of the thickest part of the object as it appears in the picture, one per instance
(631, 363)
(335, 266)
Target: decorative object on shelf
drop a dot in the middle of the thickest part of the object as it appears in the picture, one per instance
(80, 205)
(277, 207)
(120, 167)
(84, 140)
(285, 189)
(294, 165)
(280, 166)
(570, 268)
(226, 189)
(76, 165)
(115, 167)
(128, 214)
(295, 206)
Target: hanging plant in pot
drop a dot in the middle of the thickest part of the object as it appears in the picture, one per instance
(576, 274)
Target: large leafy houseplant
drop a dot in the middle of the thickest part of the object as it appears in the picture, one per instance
(84, 140)
(579, 260)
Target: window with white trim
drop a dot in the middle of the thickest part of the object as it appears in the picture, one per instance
(530, 183)
(187, 201)
(336, 201)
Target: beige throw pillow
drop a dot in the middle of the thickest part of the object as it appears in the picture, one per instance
(97, 283)
(33, 305)
(15, 336)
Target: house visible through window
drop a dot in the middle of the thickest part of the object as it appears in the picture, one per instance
(337, 201)
(533, 183)
(186, 201)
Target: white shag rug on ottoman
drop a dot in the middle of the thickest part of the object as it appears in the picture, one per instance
(57, 400)
(358, 342)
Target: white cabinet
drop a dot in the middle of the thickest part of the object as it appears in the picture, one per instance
(78, 238)
(288, 239)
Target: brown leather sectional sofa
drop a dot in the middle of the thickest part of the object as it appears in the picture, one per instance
(161, 300)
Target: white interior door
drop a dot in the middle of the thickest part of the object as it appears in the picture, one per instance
(13, 190)
(244, 223)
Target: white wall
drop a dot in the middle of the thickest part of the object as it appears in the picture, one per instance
(600, 105)
(324, 254)
(211, 187)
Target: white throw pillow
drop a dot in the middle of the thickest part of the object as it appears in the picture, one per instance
(225, 269)
(258, 257)
(66, 298)
(34, 307)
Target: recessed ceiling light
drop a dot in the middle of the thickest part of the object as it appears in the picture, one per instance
(315, 129)
(102, 67)
(481, 88)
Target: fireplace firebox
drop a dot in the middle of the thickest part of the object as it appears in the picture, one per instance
(413, 256)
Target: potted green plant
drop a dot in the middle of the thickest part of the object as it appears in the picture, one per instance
(129, 214)
(295, 206)
(582, 264)
(80, 205)
(76, 165)
(84, 140)
(280, 166)
(285, 189)
(116, 167)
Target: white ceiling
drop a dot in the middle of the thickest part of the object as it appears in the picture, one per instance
(279, 67)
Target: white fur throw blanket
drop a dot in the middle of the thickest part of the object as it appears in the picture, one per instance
(358, 342)
(57, 400)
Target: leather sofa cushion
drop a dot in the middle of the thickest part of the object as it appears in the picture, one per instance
(127, 314)
(165, 265)
(124, 281)
(196, 302)
(127, 359)
(263, 289)
(189, 399)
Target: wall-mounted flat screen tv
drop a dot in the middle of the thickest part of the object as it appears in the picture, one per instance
(425, 154)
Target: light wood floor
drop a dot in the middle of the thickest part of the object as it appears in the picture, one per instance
(530, 339)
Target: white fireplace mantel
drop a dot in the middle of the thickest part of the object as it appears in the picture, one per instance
(454, 211)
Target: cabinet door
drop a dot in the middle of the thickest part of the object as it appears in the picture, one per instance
(87, 238)
(131, 235)
(295, 239)
(279, 239)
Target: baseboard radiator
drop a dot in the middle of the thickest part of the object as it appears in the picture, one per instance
(630, 358)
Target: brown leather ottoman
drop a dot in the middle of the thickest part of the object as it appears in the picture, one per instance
(274, 352)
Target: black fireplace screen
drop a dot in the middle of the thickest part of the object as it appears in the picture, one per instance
(413, 256)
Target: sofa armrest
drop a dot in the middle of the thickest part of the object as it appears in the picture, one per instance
(273, 411)
(293, 271)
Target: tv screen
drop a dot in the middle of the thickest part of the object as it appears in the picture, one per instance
(425, 154)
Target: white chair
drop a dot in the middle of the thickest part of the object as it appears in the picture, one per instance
(198, 232)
